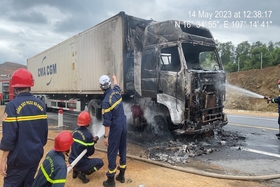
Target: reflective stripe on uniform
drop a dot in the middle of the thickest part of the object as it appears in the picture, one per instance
(83, 137)
(112, 171)
(111, 96)
(56, 181)
(113, 106)
(83, 143)
(122, 166)
(25, 118)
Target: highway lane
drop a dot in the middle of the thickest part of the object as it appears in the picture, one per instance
(258, 154)
(259, 132)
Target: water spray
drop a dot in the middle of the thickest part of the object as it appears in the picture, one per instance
(244, 91)
(97, 128)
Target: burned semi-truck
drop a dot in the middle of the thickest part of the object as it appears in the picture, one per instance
(173, 66)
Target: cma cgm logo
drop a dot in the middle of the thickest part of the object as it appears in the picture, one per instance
(47, 70)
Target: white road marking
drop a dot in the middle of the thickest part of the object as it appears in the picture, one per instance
(261, 152)
(257, 127)
(255, 118)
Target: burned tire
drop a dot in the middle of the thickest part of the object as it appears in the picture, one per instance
(159, 127)
(139, 124)
(94, 108)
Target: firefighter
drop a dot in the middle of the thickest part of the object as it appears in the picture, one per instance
(83, 139)
(276, 100)
(25, 133)
(115, 129)
(53, 170)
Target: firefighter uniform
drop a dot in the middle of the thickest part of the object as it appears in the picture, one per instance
(83, 139)
(277, 100)
(25, 132)
(53, 171)
(114, 117)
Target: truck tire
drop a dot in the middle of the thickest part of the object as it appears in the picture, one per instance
(94, 108)
(139, 123)
(160, 128)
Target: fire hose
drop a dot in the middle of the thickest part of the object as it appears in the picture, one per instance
(199, 172)
(96, 138)
(76, 160)
(191, 170)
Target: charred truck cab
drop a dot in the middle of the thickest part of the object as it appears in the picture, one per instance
(181, 70)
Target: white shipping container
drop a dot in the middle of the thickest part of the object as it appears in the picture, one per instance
(75, 65)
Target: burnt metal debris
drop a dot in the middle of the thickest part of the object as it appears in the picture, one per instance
(181, 150)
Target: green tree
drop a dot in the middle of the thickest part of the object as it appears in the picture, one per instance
(270, 49)
(226, 51)
(248, 56)
(231, 67)
(276, 55)
(242, 53)
(260, 56)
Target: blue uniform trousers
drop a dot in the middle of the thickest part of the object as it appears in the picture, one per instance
(117, 143)
(20, 177)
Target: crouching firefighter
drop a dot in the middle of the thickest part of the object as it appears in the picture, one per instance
(83, 139)
(53, 170)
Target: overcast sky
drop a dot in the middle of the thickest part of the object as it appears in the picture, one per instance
(28, 27)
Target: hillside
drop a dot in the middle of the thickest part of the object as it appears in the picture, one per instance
(8, 68)
(258, 81)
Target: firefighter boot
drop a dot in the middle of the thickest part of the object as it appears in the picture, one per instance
(278, 135)
(120, 176)
(110, 182)
(83, 178)
(75, 173)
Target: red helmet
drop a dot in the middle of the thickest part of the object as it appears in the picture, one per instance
(63, 141)
(22, 78)
(278, 81)
(84, 118)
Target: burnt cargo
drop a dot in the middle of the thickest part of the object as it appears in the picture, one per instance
(170, 68)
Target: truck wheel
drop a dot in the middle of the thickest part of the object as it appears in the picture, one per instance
(160, 127)
(139, 123)
(94, 108)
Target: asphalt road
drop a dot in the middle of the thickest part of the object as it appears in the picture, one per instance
(258, 154)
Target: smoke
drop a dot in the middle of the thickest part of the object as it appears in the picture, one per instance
(156, 123)
(127, 111)
(148, 107)
(150, 110)
(97, 128)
